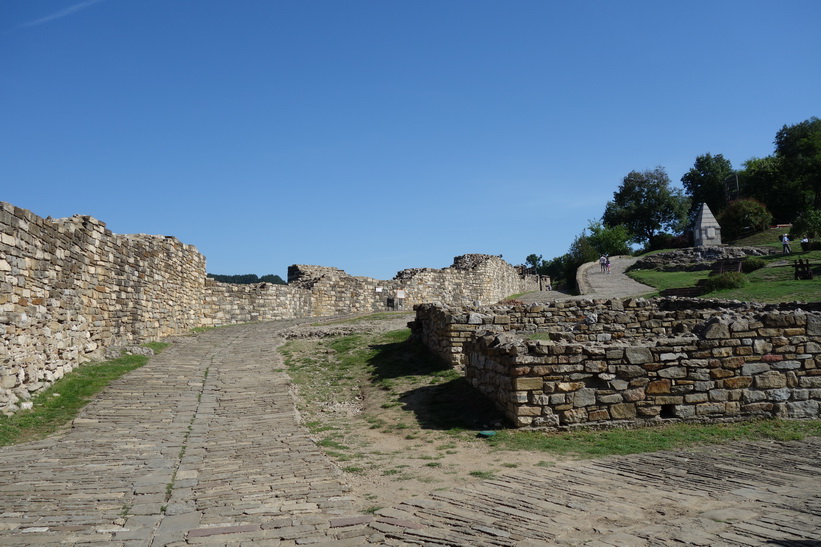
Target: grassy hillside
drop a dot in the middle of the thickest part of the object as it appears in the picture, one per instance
(774, 283)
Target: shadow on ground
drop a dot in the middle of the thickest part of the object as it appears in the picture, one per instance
(446, 402)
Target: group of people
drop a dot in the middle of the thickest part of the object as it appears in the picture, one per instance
(604, 262)
(785, 244)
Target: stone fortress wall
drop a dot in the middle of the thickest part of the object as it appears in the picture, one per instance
(625, 363)
(70, 288)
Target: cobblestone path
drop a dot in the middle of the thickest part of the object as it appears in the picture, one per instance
(203, 446)
(597, 284)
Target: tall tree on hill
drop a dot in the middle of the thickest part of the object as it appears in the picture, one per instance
(646, 204)
(765, 180)
(705, 182)
(799, 149)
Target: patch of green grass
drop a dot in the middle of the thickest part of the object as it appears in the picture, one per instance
(482, 474)
(591, 444)
(331, 443)
(767, 238)
(62, 401)
(544, 336)
(777, 283)
(668, 280)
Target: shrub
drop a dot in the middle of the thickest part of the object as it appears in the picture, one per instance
(669, 241)
(729, 280)
(752, 263)
(807, 224)
(742, 216)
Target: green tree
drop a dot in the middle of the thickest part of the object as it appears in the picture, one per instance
(743, 216)
(808, 224)
(533, 261)
(705, 182)
(799, 149)
(580, 252)
(612, 241)
(765, 180)
(645, 203)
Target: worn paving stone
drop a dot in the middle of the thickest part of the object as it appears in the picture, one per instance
(203, 447)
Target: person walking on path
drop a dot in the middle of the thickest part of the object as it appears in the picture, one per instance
(607, 263)
(603, 263)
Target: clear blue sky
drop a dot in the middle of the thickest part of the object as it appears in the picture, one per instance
(379, 135)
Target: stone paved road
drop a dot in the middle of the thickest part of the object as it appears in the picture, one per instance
(598, 285)
(203, 446)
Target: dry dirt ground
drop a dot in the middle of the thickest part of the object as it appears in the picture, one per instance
(399, 442)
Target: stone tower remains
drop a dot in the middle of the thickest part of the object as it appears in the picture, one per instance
(706, 231)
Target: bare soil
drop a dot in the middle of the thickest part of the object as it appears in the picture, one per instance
(396, 437)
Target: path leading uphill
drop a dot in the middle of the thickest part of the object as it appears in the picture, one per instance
(595, 284)
(203, 446)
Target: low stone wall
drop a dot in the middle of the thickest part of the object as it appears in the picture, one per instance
(606, 363)
(698, 258)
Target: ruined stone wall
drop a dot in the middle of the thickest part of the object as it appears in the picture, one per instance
(70, 287)
(228, 303)
(600, 363)
(471, 278)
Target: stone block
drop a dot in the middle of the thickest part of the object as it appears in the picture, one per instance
(584, 397)
(810, 381)
(659, 387)
(691, 398)
(684, 411)
(770, 380)
(528, 384)
(736, 382)
(633, 395)
(648, 411)
(573, 416)
(751, 369)
(610, 399)
(668, 399)
(709, 408)
(803, 409)
(598, 415)
(637, 355)
(624, 411)
(673, 372)
(779, 395)
(757, 408)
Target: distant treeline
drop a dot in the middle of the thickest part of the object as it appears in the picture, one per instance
(247, 279)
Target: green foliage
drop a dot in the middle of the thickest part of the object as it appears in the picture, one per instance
(646, 203)
(612, 241)
(556, 268)
(808, 224)
(743, 216)
(799, 149)
(705, 182)
(533, 261)
(752, 263)
(247, 279)
(727, 280)
(669, 241)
